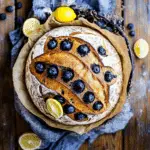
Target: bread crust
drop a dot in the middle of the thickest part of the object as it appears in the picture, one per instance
(77, 33)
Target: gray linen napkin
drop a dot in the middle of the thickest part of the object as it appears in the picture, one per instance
(56, 139)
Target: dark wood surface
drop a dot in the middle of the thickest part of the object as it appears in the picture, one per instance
(136, 135)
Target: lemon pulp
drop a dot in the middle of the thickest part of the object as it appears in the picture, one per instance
(141, 48)
(30, 26)
(54, 108)
(29, 141)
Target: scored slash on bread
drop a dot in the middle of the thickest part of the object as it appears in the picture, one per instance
(55, 83)
(87, 61)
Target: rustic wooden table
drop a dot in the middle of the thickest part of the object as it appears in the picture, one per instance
(136, 135)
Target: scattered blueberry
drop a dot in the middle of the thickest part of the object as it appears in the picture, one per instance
(88, 97)
(102, 51)
(66, 45)
(3, 16)
(18, 5)
(119, 22)
(95, 68)
(90, 18)
(83, 50)
(109, 28)
(130, 26)
(101, 24)
(78, 86)
(97, 105)
(9, 9)
(67, 75)
(19, 20)
(60, 99)
(80, 116)
(69, 109)
(52, 44)
(132, 33)
(52, 71)
(77, 11)
(108, 76)
(39, 67)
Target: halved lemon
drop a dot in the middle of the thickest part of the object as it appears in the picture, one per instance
(141, 48)
(29, 141)
(31, 26)
(54, 108)
(64, 14)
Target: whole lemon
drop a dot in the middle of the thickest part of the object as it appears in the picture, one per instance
(64, 14)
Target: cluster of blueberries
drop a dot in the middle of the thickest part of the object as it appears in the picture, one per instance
(130, 27)
(104, 25)
(92, 17)
(78, 86)
(83, 50)
(110, 27)
(69, 109)
(10, 9)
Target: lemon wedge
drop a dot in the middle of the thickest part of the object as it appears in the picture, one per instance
(54, 108)
(31, 26)
(141, 48)
(64, 14)
(29, 141)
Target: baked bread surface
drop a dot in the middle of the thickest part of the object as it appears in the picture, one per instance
(107, 94)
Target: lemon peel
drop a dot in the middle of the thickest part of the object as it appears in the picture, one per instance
(64, 14)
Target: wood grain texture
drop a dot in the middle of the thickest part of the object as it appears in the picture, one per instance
(108, 142)
(7, 112)
(137, 133)
(119, 7)
(21, 125)
(24, 11)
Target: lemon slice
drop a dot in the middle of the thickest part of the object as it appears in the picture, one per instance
(64, 14)
(54, 108)
(30, 26)
(141, 48)
(29, 141)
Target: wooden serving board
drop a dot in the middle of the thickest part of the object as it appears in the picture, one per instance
(136, 136)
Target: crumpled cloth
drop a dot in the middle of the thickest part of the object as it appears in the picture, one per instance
(56, 139)
(101, 6)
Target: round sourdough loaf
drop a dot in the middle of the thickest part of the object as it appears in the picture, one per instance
(38, 91)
